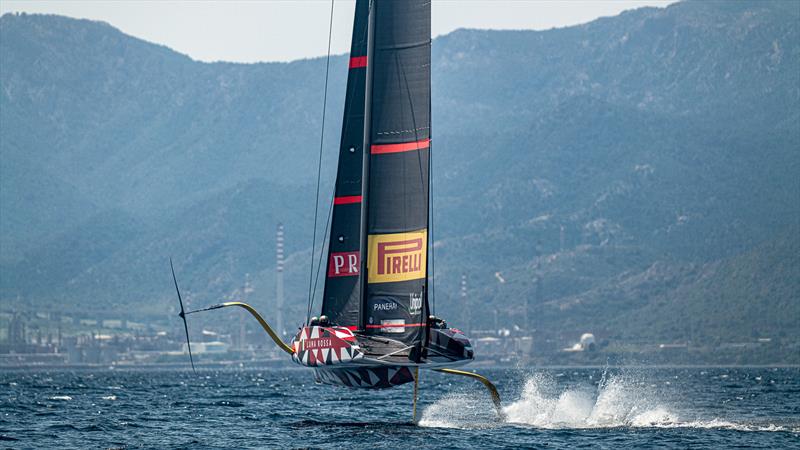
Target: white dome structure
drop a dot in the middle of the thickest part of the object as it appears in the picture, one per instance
(587, 341)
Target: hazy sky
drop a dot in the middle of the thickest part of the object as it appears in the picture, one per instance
(283, 30)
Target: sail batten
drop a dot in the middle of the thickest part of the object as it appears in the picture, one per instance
(357, 62)
(400, 147)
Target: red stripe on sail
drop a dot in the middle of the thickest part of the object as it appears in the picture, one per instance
(347, 200)
(397, 325)
(358, 61)
(403, 147)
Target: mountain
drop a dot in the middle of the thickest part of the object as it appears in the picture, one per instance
(616, 176)
(756, 290)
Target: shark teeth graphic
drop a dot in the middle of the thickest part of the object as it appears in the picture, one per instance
(324, 353)
(373, 378)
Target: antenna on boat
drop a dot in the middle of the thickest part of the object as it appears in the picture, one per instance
(182, 315)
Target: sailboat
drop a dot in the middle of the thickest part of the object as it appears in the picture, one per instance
(375, 329)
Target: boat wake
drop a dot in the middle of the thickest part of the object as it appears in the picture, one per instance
(616, 401)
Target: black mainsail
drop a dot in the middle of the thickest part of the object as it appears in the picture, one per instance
(390, 73)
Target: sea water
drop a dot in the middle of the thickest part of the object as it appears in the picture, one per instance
(279, 408)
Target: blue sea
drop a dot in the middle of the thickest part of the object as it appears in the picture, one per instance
(284, 408)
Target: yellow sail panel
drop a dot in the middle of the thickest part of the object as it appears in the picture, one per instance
(397, 256)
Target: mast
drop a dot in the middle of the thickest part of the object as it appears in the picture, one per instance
(365, 160)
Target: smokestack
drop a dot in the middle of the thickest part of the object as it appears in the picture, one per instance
(246, 289)
(279, 279)
(465, 303)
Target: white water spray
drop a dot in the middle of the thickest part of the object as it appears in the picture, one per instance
(616, 401)
(620, 400)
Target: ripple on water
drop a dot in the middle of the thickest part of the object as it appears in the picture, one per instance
(70, 427)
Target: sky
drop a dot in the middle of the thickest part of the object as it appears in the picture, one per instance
(284, 30)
